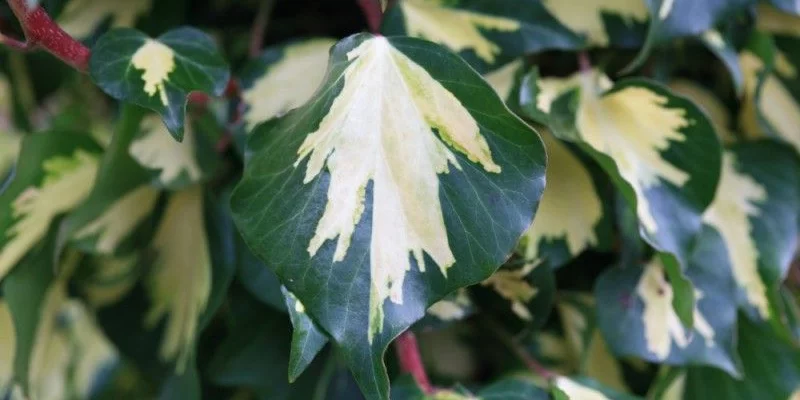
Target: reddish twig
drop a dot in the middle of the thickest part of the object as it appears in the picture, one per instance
(584, 63)
(41, 31)
(14, 43)
(259, 27)
(411, 361)
(373, 13)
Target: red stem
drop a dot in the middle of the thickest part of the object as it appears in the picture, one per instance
(411, 361)
(373, 13)
(41, 31)
(259, 27)
(584, 63)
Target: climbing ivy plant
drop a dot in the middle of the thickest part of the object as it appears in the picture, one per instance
(399, 199)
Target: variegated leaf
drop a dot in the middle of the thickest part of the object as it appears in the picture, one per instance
(282, 79)
(328, 191)
(56, 173)
(659, 149)
(603, 22)
(581, 388)
(521, 297)
(180, 282)
(505, 81)
(724, 49)
(455, 307)
(158, 74)
(307, 338)
(717, 112)
(80, 18)
(486, 33)
(516, 387)
(9, 150)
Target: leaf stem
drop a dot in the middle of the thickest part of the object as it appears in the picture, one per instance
(411, 361)
(518, 350)
(260, 26)
(41, 31)
(584, 63)
(373, 13)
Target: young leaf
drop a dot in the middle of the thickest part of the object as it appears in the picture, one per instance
(158, 74)
(282, 79)
(328, 193)
(55, 174)
(307, 339)
(486, 33)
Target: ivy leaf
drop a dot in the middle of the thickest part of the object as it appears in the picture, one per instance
(487, 34)
(671, 19)
(324, 192)
(505, 81)
(723, 48)
(282, 78)
(454, 307)
(514, 388)
(571, 214)
(80, 18)
(257, 279)
(307, 339)
(55, 174)
(173, 165)
(704, 98)
(10, 144)
(578, 388)
(158, 74)
(770, 365)
(603, 23)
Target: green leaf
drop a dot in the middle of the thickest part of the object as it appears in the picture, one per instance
(257, 279)
(282, 78)
(789, 6)
(579, 388)
(505, 81)
(771, 368)
(158, 74)
(55, 174)
(80, 18)
(339, 230)
(603, 23)
(724, 49)
(307, 339)
(487, 34)
(512, 388)
(10, 143)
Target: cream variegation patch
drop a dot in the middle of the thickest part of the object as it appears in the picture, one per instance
(157, 150)
(288, 83)
(570, 208)
(675, 389)
(772, 20)
(502, 80)
(384, 116)
(710, 103)
(156, 61)
(452, 309)
(511, 285)
(456, 29)
(111, 279)
(633, 126)
(81, 17)
(120, 219)
(9, 151)
(550, 88)
(576, 391)
(775, 102)
(180, 282)
(8, 345)
(586, 17)
(662, 326)
(730, 213)
(67, 182)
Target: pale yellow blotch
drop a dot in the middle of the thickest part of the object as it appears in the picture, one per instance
(783, 66)
(157, 61)
(550, 88)
(67, 182)
(633, 126)
(50, 354)
(512, 286)
(451, 309)
(456, 29)
(598, 363)
(120, 219)
(298, 306)
(81, 17)
(576, 391)
(773, 20)
(661, 324)
(585, 17)
(665, 9)
(730, 213)
(289, 83)
(570, 208)
(675, 389)
(9, 151)
(502, 80)
(714, 38)
(710, 103)
(382, 118)
(180, 282)
(111, 279)
(776, 103)
(8, 345)
(156, 149)
(795, 395)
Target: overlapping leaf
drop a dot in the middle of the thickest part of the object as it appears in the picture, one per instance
(56, 172)
(520, 296)
(307, 339)
(367, 240)
(513, 388)
(603, 22)
(487, 34)
(159, 73)
(80, 18)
